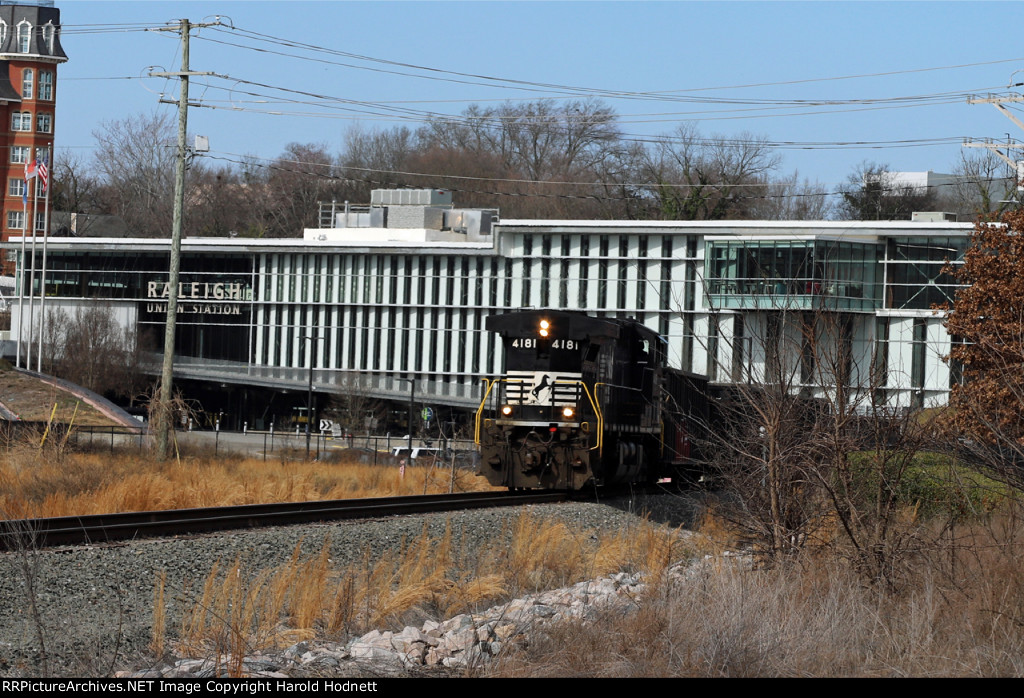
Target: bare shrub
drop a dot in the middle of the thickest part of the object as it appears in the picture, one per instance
(807, 446)
(810, 616)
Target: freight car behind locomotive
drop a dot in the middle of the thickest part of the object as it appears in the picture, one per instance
(585, 401)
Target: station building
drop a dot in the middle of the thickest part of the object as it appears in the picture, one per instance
(390, 300)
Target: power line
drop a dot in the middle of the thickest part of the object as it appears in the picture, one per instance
(281, 165)
(489, 80)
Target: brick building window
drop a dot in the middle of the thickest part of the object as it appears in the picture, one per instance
(44, 123)
(19, 154)
(16, 220)
(27, 81)
(16, 187)
(46, 85)
(21, 121)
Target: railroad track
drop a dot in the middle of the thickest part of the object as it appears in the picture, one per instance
(30, 534)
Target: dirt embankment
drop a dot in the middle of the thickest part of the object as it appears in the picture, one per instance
(32, 400)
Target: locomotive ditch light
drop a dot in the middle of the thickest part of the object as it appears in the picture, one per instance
(544, 328)
(568, 412)
(506, 410)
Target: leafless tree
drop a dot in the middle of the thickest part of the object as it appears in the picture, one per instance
(696, 178)
(222, 203)
(75, 187)
(135, 163)
(538, 159)
(374, 160)
(302, 176)
(983, 186)
(789, 199)
(89, 347)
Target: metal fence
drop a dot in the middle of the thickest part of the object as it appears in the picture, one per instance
(368, 448)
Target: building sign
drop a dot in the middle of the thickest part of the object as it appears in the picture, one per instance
(197, 291)
(197, 308)
(198, 298)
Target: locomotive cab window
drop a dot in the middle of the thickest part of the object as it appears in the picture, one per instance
(643, 348)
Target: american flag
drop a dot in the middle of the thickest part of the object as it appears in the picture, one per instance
(37, 169)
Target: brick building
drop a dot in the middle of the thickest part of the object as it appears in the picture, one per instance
(30, 52)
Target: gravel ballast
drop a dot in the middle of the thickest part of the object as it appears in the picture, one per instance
(94, 604)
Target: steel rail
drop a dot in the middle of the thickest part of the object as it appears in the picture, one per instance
(29, 534)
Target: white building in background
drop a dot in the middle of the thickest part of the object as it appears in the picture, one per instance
(919, 181)
(400, 290)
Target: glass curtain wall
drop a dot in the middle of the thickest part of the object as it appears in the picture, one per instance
(916, 271)
(214, 305)
(767, 274)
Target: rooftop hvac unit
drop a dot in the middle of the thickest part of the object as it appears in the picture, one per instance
(410, 197)
(933, 217)
(353, 219)
(472, 221)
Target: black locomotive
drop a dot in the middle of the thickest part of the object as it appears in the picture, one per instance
(585, 401)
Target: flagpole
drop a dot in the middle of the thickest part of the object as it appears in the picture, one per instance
(21, 284)
(44, 176)
(32, 270)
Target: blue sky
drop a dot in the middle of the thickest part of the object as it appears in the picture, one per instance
(793, 50)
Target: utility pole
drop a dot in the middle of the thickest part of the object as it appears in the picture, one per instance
(309, 393)
(1017, 166)
(166, 395)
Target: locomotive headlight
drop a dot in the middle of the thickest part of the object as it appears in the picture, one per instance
(545, 327)
(506, 410)
(568, 412)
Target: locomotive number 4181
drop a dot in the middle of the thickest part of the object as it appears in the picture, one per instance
(531, 343)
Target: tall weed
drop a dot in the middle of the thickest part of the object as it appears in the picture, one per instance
(433, 576)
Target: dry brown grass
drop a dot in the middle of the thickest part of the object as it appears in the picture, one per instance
(35, 484)
(430, 576)
(959, 612)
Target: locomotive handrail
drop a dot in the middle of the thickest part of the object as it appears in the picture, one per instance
(600, 416)
(597, 411)
(480, 409)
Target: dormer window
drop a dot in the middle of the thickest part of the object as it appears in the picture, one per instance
(27, 80)
(24, 37)
(49, 31)
(3, 33)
